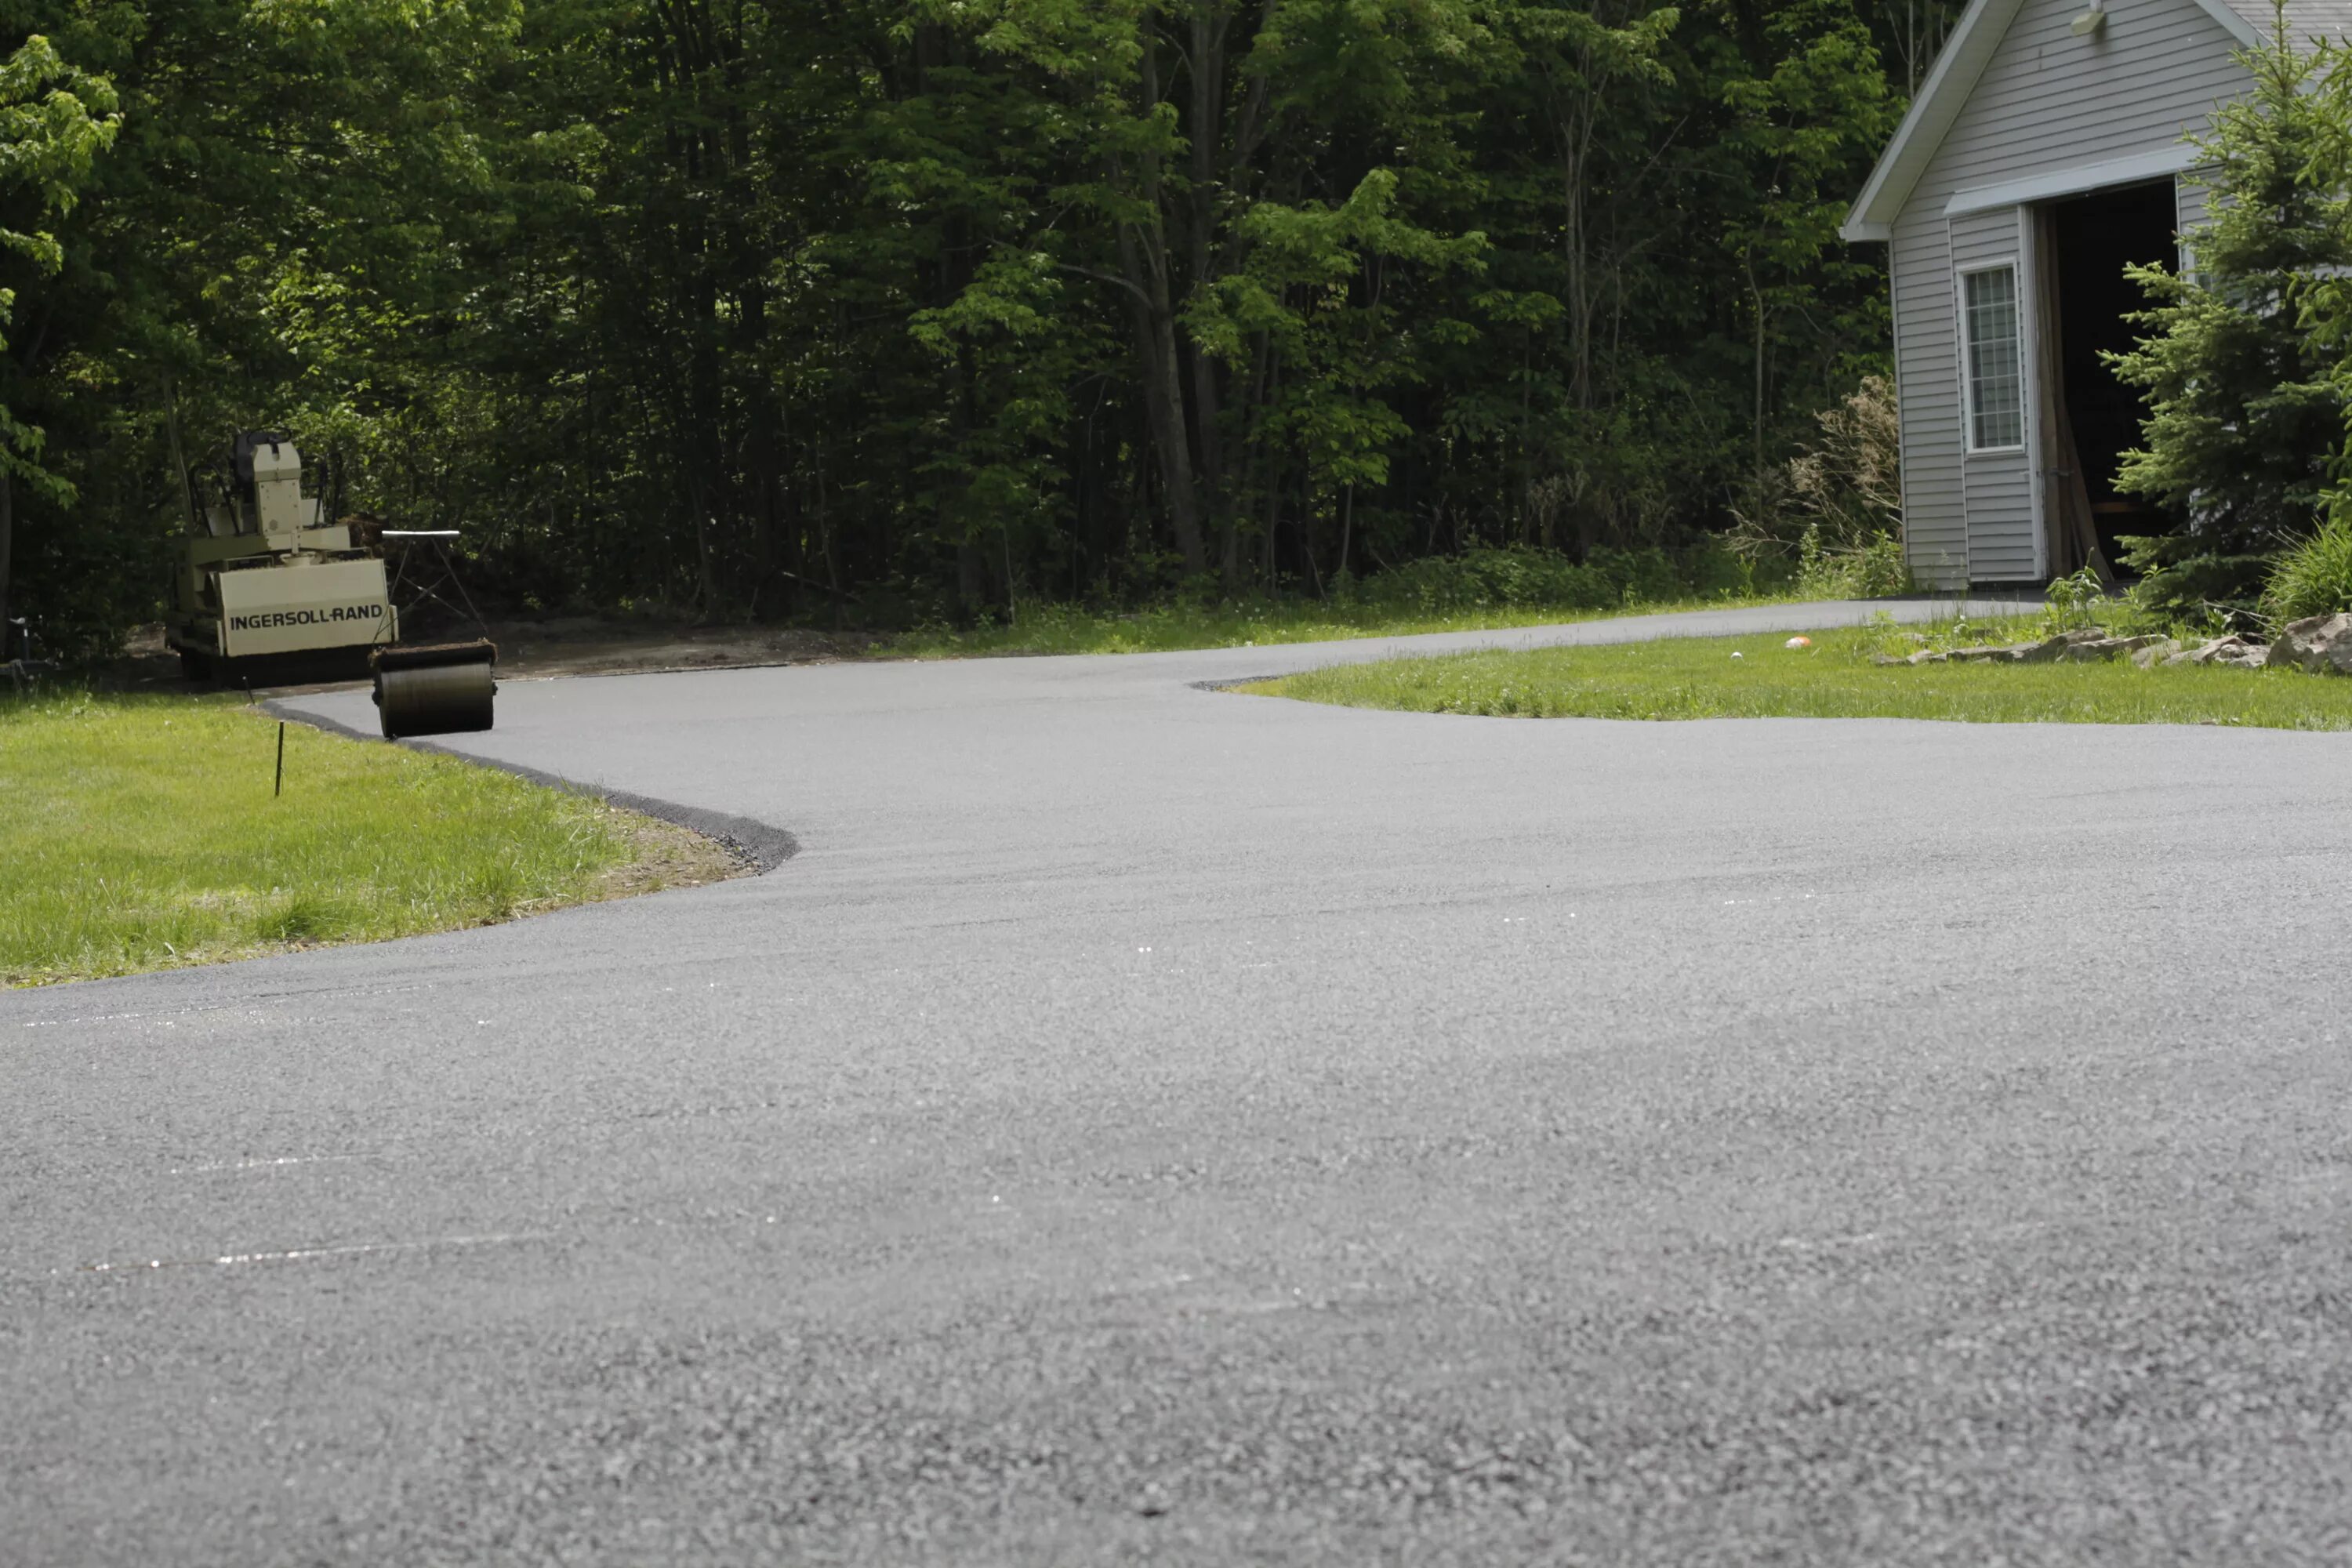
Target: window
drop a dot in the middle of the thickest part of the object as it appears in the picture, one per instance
(1996, 380)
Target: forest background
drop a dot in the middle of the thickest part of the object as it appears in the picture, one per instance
(876, 311)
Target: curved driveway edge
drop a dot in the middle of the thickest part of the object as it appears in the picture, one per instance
(763, 845)
(349, 712)
(1225, 666)
(1148, 1126)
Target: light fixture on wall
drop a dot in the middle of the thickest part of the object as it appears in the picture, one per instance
(2092, 22)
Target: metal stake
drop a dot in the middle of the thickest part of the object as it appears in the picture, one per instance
(279, 787)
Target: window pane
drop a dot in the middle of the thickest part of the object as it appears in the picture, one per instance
(1996, 381)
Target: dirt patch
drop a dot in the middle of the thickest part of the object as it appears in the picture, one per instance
(665, 855)
(537, 649)
(592, 646)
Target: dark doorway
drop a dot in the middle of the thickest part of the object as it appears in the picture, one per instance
(2095, 237)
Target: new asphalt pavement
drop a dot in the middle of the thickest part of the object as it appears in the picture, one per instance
(1150, 1124)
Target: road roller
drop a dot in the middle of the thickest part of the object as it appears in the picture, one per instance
(270, 591)
(443, 689)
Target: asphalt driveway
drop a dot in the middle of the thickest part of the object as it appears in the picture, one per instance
(1145, 1122)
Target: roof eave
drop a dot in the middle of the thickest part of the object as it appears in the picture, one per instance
(1954, 75)
(2246, 35)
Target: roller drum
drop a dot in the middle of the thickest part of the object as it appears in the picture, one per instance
(446, 696)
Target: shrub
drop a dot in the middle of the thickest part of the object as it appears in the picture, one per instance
(2181, 580)
(1839, 498)
(1851, 481)
(1519, 577)
(1871, 569)
(2314, 577)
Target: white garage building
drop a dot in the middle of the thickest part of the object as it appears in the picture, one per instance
(2043, 152)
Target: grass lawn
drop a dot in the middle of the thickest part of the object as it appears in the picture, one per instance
(1699, 677)
(140, 833)
(1060, 628)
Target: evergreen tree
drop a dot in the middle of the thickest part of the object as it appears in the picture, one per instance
(2244, 413)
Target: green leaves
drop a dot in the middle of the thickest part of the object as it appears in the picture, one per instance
(2244, 363)
(55, 121)
(927, 308)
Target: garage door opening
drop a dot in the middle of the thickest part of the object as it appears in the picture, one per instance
(2090, 417)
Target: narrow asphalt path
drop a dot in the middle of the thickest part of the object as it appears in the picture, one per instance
(1152, 1123)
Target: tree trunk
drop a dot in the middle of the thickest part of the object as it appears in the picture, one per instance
(1758, 456)
(971, 578)
(1346, 526)
(8, 547)
(1208, 68)
(705, 577)
(1575, 240)
(1143, 254)
(1164, 405)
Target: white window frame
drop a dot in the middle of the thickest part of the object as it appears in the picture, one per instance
(2029, 285)
(2016, 270)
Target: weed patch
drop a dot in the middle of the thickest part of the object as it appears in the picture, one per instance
(1478, 590)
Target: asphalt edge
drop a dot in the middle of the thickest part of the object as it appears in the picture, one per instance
(762, 846)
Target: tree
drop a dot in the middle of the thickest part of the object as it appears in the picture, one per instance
(1801, 116)
(895, 309)
(54, 122)
(2244, 413)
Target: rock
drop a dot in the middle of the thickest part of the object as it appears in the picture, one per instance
(2237, 652)
(2093, 650)
(2321, 644)
(2085, 645)
(1991, 654)
(2052, 648)
(2225, 650)
(1924, 657)
(2099, 650)
(2159, 651)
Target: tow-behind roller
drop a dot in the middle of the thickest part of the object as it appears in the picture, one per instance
(443, 690)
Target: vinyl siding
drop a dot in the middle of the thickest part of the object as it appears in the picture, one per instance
(1998, 486)
(1927, 395)
(2047, 101)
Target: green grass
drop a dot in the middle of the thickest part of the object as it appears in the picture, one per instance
(1061, 628)
(139, 833)
(1697, 678)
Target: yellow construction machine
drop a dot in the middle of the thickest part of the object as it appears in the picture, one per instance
(269, 590)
